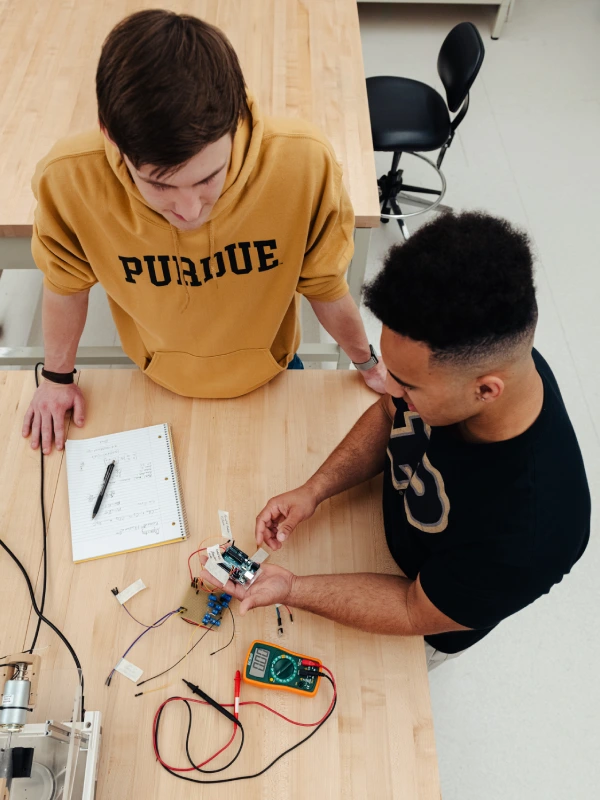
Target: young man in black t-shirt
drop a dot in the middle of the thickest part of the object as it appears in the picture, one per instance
(485, 498)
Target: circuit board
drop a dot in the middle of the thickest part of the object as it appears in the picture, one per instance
(273, 667)
(203, 608)
(233, 564)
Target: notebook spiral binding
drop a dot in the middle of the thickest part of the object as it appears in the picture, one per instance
(183, 521)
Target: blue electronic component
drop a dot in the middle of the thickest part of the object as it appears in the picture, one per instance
(212, 597)
(226, 597)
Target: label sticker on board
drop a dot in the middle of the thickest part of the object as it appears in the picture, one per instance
(216, 571)
(214, 554)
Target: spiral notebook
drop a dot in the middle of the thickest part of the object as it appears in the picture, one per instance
(142, 507)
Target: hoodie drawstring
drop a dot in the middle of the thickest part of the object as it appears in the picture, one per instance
(175, 239)
(211, 252)
(211, 244)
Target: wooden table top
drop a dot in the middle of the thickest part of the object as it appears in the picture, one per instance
(301, 58)
(233, 455)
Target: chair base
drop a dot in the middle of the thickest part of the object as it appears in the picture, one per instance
(392, 189)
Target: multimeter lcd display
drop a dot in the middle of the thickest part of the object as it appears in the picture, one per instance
(259, 663)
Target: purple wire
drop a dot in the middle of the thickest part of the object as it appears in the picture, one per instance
(157, 624)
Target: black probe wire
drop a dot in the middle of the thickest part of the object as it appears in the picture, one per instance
(45, 537)
(229, 716)
(239, 777)
(38, 611)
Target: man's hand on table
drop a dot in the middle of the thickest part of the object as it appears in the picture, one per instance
(273, 585)
(375, 377)
(45, 416)
(281, 515)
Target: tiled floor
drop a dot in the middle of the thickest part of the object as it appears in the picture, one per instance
(518, 718)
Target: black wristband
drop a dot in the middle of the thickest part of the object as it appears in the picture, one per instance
(58, 377)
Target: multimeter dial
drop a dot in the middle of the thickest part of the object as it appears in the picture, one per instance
(284, 669)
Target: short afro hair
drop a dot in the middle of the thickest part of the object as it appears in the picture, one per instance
(463, 285)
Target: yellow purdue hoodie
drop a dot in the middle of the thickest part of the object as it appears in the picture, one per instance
(211, 312)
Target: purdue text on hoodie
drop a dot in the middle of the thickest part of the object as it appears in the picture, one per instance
(211, 312)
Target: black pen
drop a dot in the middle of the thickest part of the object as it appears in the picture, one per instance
(109, 471)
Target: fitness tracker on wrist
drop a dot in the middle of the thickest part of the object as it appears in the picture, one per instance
(58, 377)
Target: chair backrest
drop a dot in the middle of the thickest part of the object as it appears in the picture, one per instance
(459, 61)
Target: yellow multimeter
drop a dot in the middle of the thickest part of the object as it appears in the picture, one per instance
(272, 667)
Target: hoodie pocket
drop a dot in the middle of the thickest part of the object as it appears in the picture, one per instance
(228, 375)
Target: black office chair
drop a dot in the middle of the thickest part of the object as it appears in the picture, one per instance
(409, 116)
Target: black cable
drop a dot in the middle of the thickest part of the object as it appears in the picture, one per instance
(239, 777)
(164, 672)
(38, 611)
(187, 747)
(45, 537)
(225, 646)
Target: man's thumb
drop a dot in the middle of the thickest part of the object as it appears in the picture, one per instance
(246, 605)
(79, 411)
(284, 530)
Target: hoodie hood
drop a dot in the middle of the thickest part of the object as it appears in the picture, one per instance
(244, 155)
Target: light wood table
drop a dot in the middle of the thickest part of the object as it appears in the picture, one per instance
(232, 454)
(301, 58)
(505, 8)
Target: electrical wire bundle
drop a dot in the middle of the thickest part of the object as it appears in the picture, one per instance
(178, 772)
(159, 622)
(39, 611)
(147, 628)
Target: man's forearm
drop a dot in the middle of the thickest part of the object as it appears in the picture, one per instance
(341, 319)
(63, 319)
(359, 457)
(356, 600)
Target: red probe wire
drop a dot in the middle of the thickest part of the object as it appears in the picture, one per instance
(230, 705)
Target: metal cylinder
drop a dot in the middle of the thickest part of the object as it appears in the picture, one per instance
(15, 701)
(6, 770)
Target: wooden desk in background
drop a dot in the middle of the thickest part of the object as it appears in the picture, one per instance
(505, 9)
(301, 58)
(234, 455)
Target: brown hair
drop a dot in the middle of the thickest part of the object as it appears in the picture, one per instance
(167, 85)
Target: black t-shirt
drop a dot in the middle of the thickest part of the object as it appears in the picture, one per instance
(488, 527)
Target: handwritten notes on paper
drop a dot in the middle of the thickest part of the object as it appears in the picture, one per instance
(142, 505)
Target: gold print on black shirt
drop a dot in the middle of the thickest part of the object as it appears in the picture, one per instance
(429, 483)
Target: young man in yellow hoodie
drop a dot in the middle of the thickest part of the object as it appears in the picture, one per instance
(203, 221)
